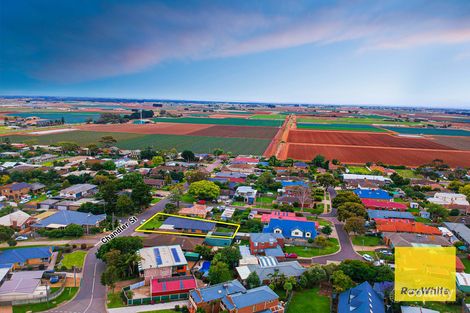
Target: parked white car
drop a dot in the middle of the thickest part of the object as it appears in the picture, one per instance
(368, 258)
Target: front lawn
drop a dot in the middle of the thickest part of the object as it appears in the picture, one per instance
(366, 240)
(308, 301)
(155, 200)
(75, 258)
(188, 198)
(466, 262)
(66, 295)
(333, 246)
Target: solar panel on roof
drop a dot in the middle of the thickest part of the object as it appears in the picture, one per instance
(175, 255)
(158, 257)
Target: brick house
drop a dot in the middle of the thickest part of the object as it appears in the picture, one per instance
(261, 242)
(162, 262)
(15, 191)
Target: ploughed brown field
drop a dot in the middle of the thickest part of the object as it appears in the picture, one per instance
(160, 128)
(387, 155)
(237, 132)
(460, 143)
(361, 139)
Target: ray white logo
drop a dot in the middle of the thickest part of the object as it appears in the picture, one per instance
(426, 291)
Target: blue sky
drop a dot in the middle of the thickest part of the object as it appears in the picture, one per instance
(408, 52)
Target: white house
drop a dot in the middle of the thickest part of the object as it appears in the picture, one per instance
(247, 192)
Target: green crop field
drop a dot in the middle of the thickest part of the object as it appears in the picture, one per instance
(269, 116)
(197, 144)
(221, 121)
(80, 137)
(345, 127)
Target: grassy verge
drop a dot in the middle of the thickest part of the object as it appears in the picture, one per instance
(66, 295)
(366, 240)
(74, 259)
(466, 262)
(333, 246)
(115, 300)
(308, 301)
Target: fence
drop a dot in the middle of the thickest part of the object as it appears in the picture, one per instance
(152, 300)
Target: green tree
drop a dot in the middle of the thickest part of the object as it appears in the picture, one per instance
(188, 156)
(315, 275)
(73, 230)
(327, 230)
(228, 255)
(109, 165)
(437, 211)
(219, 273)
(176, 194)
(455, 185)
(325, 180)
(5, 233)
(345, 196)
(465, 190)
(351, 209)
(110, 277)
(68, 146)
(253, 280)
(266, 182)
(341, 281)
(218, 151)
(124, 205)
(130, 180)
(141, 195)
(108, 192)
(194, 176)
(204, 190)
(107, 141)
(287, 287)
(123, 244)
(158, 160)
(204, 251)
(355, 225)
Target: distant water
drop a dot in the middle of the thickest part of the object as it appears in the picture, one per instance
(69, 117)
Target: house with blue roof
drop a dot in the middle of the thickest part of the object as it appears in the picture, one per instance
(187, 225)
(19, 258)
(361, 299)
(298, 183)
(62, 219)
(389, 214)
(233, 297)
(291, 229)
(377, 194)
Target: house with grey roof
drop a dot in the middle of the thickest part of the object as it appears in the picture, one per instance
(267, 270)
(62, 219)
(78, 191)
(460, 231)
(233, 297)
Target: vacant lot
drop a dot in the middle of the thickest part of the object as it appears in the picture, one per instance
(222, 121)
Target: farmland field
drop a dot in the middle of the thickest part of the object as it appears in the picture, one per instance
(221, 121)
(429, 131)
(360, 139)
(80, 137)
(351, 127)
(358, 170)
(354, 120)
(237, 132)
(198, 144)
(160, 128)
(393, 156)
(460, 143)
(269, 116)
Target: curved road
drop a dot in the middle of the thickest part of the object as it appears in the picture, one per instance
(91, 297)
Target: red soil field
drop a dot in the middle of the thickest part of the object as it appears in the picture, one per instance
(392, 156)
(361, 139)
(237, 131)
(459, 143)
(161, 128)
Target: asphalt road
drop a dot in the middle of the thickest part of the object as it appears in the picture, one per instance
(91, 297)
(347, 250)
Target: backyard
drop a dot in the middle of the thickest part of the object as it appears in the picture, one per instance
(361, 240)
(66, 295)
(308, 301)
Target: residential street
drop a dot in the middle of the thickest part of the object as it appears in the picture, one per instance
(91, 297)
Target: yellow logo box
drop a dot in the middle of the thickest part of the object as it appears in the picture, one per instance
(425, 274)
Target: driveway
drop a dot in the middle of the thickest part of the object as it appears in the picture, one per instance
(91, 297)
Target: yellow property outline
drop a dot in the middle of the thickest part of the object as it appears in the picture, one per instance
(139, 229)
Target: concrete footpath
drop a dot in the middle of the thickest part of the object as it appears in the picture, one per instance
(150, 307)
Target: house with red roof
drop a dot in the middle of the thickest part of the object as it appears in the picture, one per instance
(265, 218)
(405, 226)
(372, 204)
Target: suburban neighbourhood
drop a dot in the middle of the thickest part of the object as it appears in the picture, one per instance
(219, 232)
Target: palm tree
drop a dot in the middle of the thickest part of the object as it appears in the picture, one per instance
(131, 262)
